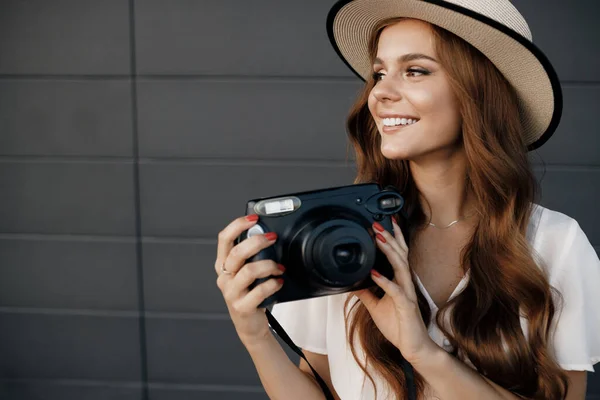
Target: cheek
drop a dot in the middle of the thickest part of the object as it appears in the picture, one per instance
(371, 102)
(440, 104)
(425, 101)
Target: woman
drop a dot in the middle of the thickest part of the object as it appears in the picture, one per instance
(496, 297)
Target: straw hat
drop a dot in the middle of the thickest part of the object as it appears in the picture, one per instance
(494, 27)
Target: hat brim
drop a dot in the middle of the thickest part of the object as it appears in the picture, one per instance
(524, 65)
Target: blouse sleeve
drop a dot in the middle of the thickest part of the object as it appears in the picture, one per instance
(305, 321)
(577, 336)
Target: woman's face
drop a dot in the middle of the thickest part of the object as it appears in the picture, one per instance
(411, 85)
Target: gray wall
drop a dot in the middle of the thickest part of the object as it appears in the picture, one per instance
(131, 132)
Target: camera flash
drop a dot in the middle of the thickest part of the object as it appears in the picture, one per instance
(276, 207)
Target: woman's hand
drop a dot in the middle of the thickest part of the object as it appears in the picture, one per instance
(250, 321)
(397, 313)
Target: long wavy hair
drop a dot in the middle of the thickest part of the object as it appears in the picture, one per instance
(505, 282)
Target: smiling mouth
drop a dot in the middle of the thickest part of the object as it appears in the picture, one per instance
(388, 128)
(391, 122)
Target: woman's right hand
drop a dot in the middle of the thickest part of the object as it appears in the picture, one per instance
(250, 321)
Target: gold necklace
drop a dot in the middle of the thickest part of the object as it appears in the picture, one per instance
(451, 223)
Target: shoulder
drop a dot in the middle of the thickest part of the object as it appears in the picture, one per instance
(574, 271)
(551, 223)
(559, 242)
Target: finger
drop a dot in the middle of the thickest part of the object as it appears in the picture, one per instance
(399, 236)
(389, 287)
(228, 235)
(249, 303)
(241, 252)
(252, 271)
(379, 229)
(399, 263)
(369, 300)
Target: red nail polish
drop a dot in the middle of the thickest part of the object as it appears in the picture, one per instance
(280, 281)
(252, 218)
(395, 219)
(271, 236)
(381, 238)
(281, 267)
(375, 273)
(378, 226)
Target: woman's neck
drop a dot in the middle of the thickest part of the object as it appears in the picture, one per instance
(443, 189)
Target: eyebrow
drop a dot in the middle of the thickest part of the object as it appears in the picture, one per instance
(406, 58)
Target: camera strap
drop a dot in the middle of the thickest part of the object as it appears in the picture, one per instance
(283, 335)
(406, 367)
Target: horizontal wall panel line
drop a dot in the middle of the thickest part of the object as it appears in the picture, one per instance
(184, 77)
(206, 388)
(294, 79)
(204, 241)
(580, 83)
(178, 240)
(136, 385)
(245, 162)
(188, 316)
(225, 78)
(70, 77)
(213, 242)
(70, 312)
(250, 78)
(29, 159)
(566, 168)
(67, 238)
(209, 241)
(76, 382)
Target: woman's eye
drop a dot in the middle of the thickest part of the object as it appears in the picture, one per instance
(377, 76)
(417, 71)
(411, 72)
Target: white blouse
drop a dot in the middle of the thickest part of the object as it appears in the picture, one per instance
(570, 262)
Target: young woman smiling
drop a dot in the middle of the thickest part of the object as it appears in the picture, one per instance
(496, 298)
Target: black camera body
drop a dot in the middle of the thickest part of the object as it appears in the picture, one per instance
(325, 238)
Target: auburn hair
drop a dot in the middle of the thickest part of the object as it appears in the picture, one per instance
(505, 282)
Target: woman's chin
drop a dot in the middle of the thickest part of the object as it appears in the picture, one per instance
(394, 152)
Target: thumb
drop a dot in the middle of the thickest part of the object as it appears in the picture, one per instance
(367, 298)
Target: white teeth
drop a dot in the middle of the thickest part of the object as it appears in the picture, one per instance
(398, 121)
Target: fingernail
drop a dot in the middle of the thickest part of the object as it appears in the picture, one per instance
(271, 236)
(280, 281)
(281, 267)
(395, 219)
(375, 273)
(381, 238)
(252, 218)
(378, 226)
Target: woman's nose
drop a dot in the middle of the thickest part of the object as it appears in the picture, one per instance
(387, 90)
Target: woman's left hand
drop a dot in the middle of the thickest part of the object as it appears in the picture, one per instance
(397, 313)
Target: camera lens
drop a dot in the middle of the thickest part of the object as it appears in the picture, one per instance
(347, 256)
(338, 252)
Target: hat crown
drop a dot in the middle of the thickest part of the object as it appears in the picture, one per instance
(501, 11)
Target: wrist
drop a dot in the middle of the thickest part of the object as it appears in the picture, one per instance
(433, 359)
(257, 344)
